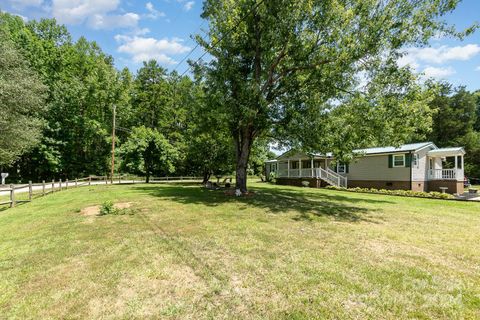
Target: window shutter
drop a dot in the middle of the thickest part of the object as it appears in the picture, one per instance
(335, 168)
(408, 160)
(390, 160)
(347, 169)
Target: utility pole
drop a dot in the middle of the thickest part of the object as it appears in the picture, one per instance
(113, 144)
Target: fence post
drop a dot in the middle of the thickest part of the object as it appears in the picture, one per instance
(53, 185)
(30, 191)
(66, 184)
(60, 184)
(89, 180)
(12, 196)
(76, 182)
(43, 187)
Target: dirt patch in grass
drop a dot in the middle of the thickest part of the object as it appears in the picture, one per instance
(95, 210)
(90, 211)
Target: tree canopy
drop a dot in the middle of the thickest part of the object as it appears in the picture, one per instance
(22, 99)
(318, 74)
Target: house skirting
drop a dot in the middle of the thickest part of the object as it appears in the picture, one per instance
(419, 186)
(452, 185)
(380, 184)
(433, 185)
(314, 182)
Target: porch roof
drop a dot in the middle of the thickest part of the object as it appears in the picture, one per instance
(446, 152)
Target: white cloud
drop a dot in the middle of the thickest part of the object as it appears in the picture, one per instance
(153, 13)
(143, 49)
(20, 4)
(25, 19)
(443, 54)
(127, 20)
(408, 60)
(438, 73)
(188, 6)
(77, 11)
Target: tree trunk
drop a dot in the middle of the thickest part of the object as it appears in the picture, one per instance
(243, 144)
(206, 176)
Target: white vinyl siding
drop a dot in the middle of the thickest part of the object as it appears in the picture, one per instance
(376, 168)
(420, 171)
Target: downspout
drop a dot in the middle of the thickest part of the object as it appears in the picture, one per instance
(411, 171)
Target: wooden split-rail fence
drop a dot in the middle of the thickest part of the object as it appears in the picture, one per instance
(27, 192)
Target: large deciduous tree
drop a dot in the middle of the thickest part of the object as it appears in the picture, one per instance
(22, 103)
(310, 69)
(148, 152)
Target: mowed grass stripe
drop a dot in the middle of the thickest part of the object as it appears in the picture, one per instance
(286, 252)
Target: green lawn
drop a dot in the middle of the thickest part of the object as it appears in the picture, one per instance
(286, 252)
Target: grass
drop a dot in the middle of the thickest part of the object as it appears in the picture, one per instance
(284, 253)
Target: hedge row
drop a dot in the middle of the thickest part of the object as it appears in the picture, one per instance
(405, 193)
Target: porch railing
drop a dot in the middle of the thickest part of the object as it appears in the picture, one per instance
(442, 174)
(327, 175)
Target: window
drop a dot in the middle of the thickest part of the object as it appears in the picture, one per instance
(316, 163)
(399, 160)
(415, 160)
(293, 164)
(342, 168)
(459, 162)
(306, 164)
(431, 164)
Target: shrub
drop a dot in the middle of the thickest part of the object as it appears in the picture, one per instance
(272, 177)
(404, 193)
(305, 183)
(107, 208)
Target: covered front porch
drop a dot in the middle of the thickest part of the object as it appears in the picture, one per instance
(316, 167)
(446, 164)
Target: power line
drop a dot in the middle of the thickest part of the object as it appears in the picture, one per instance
(191, 51)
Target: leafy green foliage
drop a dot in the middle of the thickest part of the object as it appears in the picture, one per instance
(107, 208)
(22, 100)
(82, 85)
(148, 152)
(454, 123)
(319, 75)
(404, 193)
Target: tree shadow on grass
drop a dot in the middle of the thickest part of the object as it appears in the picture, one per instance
(275, 200)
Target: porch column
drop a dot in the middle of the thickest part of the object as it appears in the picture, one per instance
(299, 168)
(462, 177)
(456, 168)
(311, 166)
(288, 168)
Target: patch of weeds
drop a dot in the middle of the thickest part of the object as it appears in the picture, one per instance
(109, 208)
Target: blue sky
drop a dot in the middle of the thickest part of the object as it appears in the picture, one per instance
(135, 30)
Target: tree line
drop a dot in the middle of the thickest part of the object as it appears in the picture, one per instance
(57, 99)
(320, 76)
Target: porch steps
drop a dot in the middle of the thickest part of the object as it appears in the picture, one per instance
(331, 177)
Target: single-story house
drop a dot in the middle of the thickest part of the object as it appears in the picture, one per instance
(417, 166)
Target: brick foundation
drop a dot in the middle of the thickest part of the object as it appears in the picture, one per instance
(452, 185)
(314, 182)
(378, 184)
(419, 186)
(434, 185)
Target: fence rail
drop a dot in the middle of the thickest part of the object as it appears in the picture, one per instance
(35, 190)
